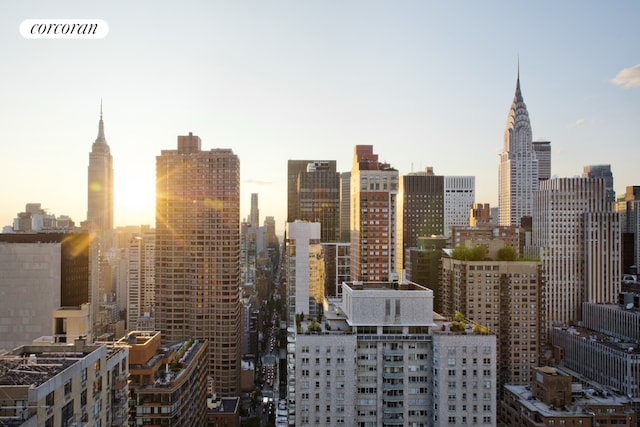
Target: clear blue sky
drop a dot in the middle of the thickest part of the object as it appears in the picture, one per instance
(427, 83)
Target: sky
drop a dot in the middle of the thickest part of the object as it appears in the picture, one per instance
(427, 83)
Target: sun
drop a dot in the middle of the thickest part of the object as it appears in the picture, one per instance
(134, 200)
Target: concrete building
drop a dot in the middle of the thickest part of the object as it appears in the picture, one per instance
(314, 195)
(577, 237)
(40, 273)
(304, 269)
(629, 211)
(64, 385)
(198, 254)
(374, 187)
(168, 385)
(555, 399)
(35, 219)
(459, 197)
(387, 335)
(504, 296)
(518, 169)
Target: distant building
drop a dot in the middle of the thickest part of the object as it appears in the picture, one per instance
(305, 269)
(508, 234)
(36, 219)
(480, 214)
(345, 206)
(459, 197)
(518, 171)
(420, 210)
(313, 189)
(576, 234)
(604, 172)
(374, 187)
(100, 184)
(555, 399)
(168, 385)
(629, 211)
(543, 154)
(141, 280)
(64, 385)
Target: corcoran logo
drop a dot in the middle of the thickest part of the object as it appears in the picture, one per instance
(64, 29)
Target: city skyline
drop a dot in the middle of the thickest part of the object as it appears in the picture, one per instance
(421, 82)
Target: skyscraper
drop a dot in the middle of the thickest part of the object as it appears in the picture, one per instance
(198, 253)
(518, 169)
(100, 184)
(314, 195)
(577, 237)
(604, 172)
(374, 187)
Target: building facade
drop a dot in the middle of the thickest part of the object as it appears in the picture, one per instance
(374, 188)
(505, 297)
(198, 254)
(314, 195)
(459, 197)
(305, 269)
(577, 237)
(518, 169)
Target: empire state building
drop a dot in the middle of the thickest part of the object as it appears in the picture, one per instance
(518, 169)
(100, 184)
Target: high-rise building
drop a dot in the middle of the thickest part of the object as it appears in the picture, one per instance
(629, 210)
(420, 210)
(518, 169)
(504, 296)
(577, 236)
(314, 195)
(459, 197)
(100, 184)
(380, 357)
(374, 188)
(604, 172)
(254, 215)
(345, 206)
(198, 254)
(141, 280)
(305, 269)
(543, 154)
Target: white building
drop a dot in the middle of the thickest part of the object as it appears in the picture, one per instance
(459, 197)
(305, 269)
(518, 168)
(140, 279)
(464, 379)
(577, 237)
(384, 333)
